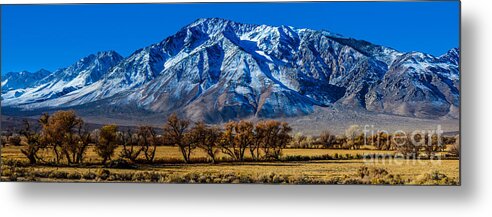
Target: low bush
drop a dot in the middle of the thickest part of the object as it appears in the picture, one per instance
(75, 175)
(122, 164)
(58, 175)
(146, 177)
(42, 174)
(364, 175)
(122, 177)
(89, 176)
(13, 177)
(368, 175)
(15, 163)
(103, 174)
(434, 178)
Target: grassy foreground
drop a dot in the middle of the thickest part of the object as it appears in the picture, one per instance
(347, 168)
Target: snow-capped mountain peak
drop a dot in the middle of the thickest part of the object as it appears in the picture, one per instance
(215, 70)
(452, 56)
(61, 82)
(21, 80)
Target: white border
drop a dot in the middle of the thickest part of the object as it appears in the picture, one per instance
(473, 198)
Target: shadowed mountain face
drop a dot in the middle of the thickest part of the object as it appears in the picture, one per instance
(21, 80)
(61, 83)
(216, 70)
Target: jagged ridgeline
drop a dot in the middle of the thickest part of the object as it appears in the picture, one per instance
(216, 70)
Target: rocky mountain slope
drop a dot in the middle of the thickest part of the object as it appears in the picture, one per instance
(22, 80)
(216, 70)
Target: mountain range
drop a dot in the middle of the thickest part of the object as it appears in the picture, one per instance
(217, 70)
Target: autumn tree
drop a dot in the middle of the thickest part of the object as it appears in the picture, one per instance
(206, 138)
(298, 140)
(276, 136)
(84, 139)
(175, 133)
(405, 146)
(455, 148)
(63, 131)
(326, 139)
(244, 137)
(283, 138)
(227, 140)
(259, 138)
(147, 139)
(237, 137)
(131, 147)
(355, 137)
(431, 144)
(106, 142)
(33, 143)
(263, 137)
(50, 135)
(382, 141)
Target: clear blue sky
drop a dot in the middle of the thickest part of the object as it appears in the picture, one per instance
(55, 36)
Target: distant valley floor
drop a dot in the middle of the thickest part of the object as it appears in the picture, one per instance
(333, 119)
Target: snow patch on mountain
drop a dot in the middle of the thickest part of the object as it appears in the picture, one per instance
(216, 70)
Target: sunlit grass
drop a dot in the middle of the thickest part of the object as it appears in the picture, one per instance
(323, 170)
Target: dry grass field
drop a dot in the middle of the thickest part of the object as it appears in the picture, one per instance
(335, 171)
(168, 152)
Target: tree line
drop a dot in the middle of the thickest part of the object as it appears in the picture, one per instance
(66, 137)
(409, 145)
